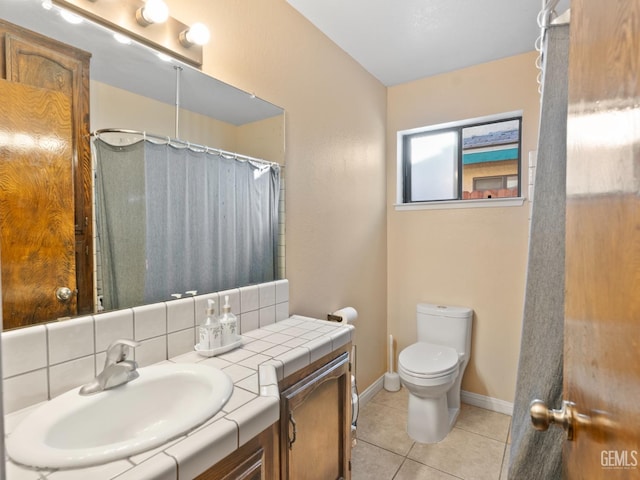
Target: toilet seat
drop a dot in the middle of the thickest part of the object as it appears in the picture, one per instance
(426, 360)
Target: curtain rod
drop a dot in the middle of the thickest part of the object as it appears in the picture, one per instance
(192, 146)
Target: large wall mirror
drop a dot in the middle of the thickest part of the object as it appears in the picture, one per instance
(130, 87)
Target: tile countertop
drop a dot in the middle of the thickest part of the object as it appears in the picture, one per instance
(266, 356)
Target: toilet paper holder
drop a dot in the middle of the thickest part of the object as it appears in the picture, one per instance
(344, 315)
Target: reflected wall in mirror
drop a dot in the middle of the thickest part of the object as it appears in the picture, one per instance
(126, 87)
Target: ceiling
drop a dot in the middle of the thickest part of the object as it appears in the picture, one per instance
(398, 41)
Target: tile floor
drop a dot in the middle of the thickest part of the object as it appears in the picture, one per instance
(476, 449)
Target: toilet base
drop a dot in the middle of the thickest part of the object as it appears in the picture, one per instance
(429, 419)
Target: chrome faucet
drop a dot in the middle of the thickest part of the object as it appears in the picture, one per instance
(117, 369)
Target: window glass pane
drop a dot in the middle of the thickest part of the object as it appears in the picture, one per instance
(487, 183)
(490, 160)
(434, 167)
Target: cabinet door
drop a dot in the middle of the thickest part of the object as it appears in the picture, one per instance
(315, 424)
(255, 460)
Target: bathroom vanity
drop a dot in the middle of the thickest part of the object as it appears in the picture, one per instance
(311, 439)
(288, 417)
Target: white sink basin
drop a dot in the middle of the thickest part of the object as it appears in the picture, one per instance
(74, 431)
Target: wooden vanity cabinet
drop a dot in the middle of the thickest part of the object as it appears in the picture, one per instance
(315, 418)
(255, 460)
(312, 440)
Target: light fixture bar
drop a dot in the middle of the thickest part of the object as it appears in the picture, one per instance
(120, 15)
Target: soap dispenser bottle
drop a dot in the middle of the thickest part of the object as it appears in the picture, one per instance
(209, 331)
(228, 324)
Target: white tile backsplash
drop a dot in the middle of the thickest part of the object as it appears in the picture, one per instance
(70, 339)
(180, 342)
(112, 326)
(267, 315)
(150, 351)
(267, 294)
(24, 390)
(24, 350)
(282, 291)
(180, 314)
(40, 361)
(149, 321)
(249, 321)
(68, 375)
(282, 311)
(249, 298)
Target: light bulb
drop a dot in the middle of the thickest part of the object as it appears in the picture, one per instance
(153, 11)
(120, 38)
(71, 17)
(197, 34)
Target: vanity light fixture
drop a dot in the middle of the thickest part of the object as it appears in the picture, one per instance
(153, 11)
(147, 22)
(197, 34)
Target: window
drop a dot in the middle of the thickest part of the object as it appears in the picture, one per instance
(467, 160)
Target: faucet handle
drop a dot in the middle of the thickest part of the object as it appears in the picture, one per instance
(119, 349)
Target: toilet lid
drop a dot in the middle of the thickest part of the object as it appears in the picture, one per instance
(427, 359)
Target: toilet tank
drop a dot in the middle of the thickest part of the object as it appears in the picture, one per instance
(445, 325)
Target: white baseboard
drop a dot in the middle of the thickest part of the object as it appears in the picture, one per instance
(488, 403)
(369, 392)
(470, 398)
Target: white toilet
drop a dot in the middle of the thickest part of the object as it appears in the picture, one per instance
(432, 370)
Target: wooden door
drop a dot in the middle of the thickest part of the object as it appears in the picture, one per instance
(36, 203)
(602, 309)
(315, 425)
(35, 60)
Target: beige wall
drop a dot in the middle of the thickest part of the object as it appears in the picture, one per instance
(473, 257)
(335, 156)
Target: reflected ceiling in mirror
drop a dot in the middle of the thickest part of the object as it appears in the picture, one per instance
(138, 69)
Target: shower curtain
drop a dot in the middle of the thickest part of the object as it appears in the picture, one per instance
(538, 455)
(173, 220)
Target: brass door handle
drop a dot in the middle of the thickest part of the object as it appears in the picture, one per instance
(567, 417)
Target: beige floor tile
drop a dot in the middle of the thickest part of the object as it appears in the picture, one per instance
(484, 422)
(464, 454)
(369, 462)
(385, 427)
(411, 470)
(399, 399)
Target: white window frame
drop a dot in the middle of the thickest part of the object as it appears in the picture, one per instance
(449, 204)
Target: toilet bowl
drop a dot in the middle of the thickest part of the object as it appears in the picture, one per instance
(432, 370)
